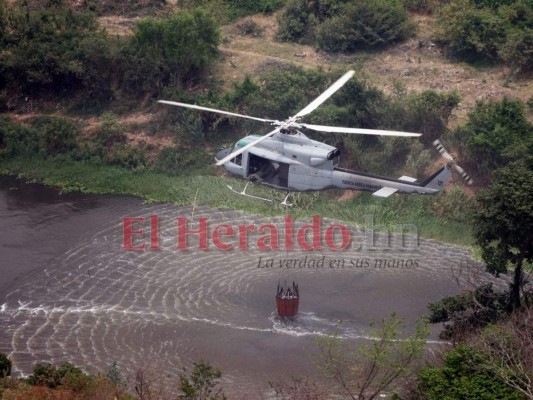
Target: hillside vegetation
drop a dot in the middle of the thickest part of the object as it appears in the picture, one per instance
(79, 83)
(74, 94)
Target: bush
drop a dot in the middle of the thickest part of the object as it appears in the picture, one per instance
(178, 161)
(56, 135)
(16, 140)
(453, 204)
(171, 51)
(51, 376)
(128, 7)
(295, 22)
(46, 49)
(201, 384)
(496, 133)
(463, 378)
(248, 27)
(469, 32)
(345, 26)
(518, 49)
(365, 24)
(477, 30)
(428, 113)
(467, 313)
(240, 8)
(5, 366)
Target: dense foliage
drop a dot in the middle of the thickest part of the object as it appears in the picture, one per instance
(364, 24)
(48, 49)
(53, 376)
(55, 50)
(489, 30)
(345, 26)
(170, 52)
(463, 377)
(468, 312)
(496, 133)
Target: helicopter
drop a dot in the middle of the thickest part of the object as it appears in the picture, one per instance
(288, 160)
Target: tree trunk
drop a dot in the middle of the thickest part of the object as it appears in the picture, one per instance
(516, 301)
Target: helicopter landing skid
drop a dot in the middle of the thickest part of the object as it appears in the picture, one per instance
(243, 193)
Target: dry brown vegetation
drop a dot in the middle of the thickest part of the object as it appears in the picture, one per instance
(417, 65)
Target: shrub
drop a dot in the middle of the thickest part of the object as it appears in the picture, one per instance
(469, 32)
(16, 140)
(295, 22)
(5, 366)
(463, 378)
(453, 204)
(468, 312)
(240, 8)
(249, 27)
(496, 133)
(201, 384)
(46, 47)
(518, 48)
(365, 24)
(479, 30)
(428, 113)
(126, 156)
(170, 51)
(104, 7)
(178, 161)
(52, 376)
(56, 135)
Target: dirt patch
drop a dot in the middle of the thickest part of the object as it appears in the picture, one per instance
(118, 25)
(347, 196)
(417, 63)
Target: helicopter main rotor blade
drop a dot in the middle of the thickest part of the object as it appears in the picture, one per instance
(326, 95)
(339, 129)
(244, 148)
(175, 103)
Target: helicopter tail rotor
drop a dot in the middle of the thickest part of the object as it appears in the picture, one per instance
(440, 148)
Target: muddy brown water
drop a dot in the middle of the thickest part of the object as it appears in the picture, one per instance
(69, 292)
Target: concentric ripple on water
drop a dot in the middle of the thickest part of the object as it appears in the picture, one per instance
(97, 303)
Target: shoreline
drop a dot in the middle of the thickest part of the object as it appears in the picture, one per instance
(211, 191)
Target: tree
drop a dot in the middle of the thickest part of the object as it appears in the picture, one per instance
(201, 384)
(376, 366)
(503, 222)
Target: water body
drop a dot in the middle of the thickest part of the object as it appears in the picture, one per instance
(69, 291)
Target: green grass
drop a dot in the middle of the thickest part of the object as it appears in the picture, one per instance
(212, 191)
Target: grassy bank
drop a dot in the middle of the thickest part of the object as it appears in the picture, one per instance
(212, 191)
